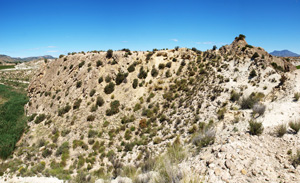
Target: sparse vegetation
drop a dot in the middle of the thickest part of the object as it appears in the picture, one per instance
(99, 101)
(135, 83)
(121, 77)
(90, 118)
(142, 74)
(252, 74)
(92, 92)
(131, 68)
(295, 125)
(204, 137)
(248, 102)
(81, 64)
(99, 63)
(296, 159)
(255, 128)
(114, 108)
(78, 84)
(109, 53)
(234, 96)
(254, 56)
(154, 72)
(77, 103)
(64, 110)
(281, 130)
(109, 88)
(241, 37)
(40, 118)
(296, 96)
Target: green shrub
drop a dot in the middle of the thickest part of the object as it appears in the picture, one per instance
(109, 88)
(296, 96)
(64, 110)
(114, 108)
(121, 77)
(46, 153)
(221, 113)
(255, 128)
(92, 133)
(142, 74)
(204, 138)
(131, 68)
(234, 96)
(168, 73)
(169, 64)
(281, 130)
(38, 168)
(107, 79)
(99, 101)
(252, 74)
(248, 103)
(92, 92)
(81, 64)
(255, 55)
(94, 108)
(296, 159)
(137, 107)
(154, 72)
(277, 67)
(149, 55)
(157, 140)
(40, 118)
(99, 63)
(90, 118)
(109, 53)
(100, 80)
(241, 37)
(161, 66)
(63, 148)
(31, 117)
(135, 83)
(79, 143)
(81, 162)
(77, 103)
(78, 84)
(295, 126)
(127, 134)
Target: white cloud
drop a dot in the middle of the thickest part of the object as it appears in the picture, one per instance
(51, 46)
(52, 51)
(207, 42)
(210, 43)
(175, 40)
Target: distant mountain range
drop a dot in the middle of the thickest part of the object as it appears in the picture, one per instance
(284, 53)
(5, 58)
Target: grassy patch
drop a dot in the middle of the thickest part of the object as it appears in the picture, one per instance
(298, 66)
(12, 119)
(6, 67)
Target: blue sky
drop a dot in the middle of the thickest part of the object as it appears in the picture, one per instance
(54, 27)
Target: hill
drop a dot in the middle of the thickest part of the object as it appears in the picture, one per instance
(178, 115)
(8, 59)
(284, 53)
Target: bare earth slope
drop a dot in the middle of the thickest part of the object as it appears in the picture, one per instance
(77, 126)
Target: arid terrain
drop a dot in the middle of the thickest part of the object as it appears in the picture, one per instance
(229, 114)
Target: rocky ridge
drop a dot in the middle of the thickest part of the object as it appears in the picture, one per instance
(157, 98)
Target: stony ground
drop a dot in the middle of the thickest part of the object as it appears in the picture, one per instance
(190, 93)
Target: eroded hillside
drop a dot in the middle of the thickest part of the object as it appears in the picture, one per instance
(136, 114)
